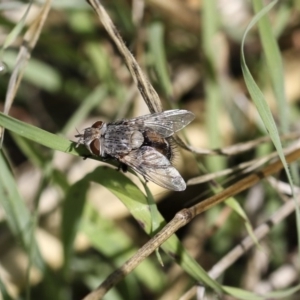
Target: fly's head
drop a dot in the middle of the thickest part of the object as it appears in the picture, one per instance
(92, 138)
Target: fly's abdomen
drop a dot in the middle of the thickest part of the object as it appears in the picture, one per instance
(154, 140)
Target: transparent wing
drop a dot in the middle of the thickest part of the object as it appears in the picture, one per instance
(155, 167)
(165, 123)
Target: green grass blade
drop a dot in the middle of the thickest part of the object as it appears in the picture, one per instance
(113, 243)
(73, 206)
(41, 136)
(3, 291)
(11, 37)
(31, 150)
(94, 99)
(156, 44)
(263, 108)
(245, 295)
(257, 96)
(17, 215)
(212, 86)
(38, 73)
(274, 63)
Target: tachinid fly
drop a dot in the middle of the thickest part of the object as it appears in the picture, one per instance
(141, 143)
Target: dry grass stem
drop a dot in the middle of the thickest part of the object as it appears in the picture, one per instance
(244, 167)
(30, 39)
(146, 89)
(235, 149)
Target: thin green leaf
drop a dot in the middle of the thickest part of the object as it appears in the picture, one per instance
(255, 92)
(3, 292)
(31, 150)
(12, 5)
(124, 15)
(72, 210)
(156, 44)
(41, 136)
(116, 245)
(38, 73)
(94, 99)
(212, 86)
(263, 108)
(155, 218)
(235, 205)
(245, 295)
(11, 37)
(17, 215)
(274, 62)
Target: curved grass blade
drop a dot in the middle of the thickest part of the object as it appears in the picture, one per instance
(38, 73)
(212, 84)
(264, 110)
(274, 63)
(41, 136)
(11, 37)
(17, 215)
(3, 291)
(258, 97)
(246, 295)
(113, 243)
(156, 35)
(94, 99)
(73, 205)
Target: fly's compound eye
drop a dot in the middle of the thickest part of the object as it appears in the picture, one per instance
(97, 124)
(95, 147)
(136, 139)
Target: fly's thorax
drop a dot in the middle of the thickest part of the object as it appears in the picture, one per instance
(120, 139)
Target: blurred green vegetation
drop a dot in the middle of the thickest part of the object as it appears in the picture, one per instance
(75, 234)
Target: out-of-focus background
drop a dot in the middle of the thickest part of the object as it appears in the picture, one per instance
(190, 51)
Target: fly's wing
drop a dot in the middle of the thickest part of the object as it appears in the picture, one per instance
(155, 167)
(165, 123)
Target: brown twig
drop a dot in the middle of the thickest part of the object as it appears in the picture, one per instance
(248, 166)
(237, 148)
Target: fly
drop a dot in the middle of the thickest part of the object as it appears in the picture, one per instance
(141, 143)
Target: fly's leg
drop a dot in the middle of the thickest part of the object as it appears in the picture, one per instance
(105, 157)
(123, 167)
(86, 156)
(146, 180)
